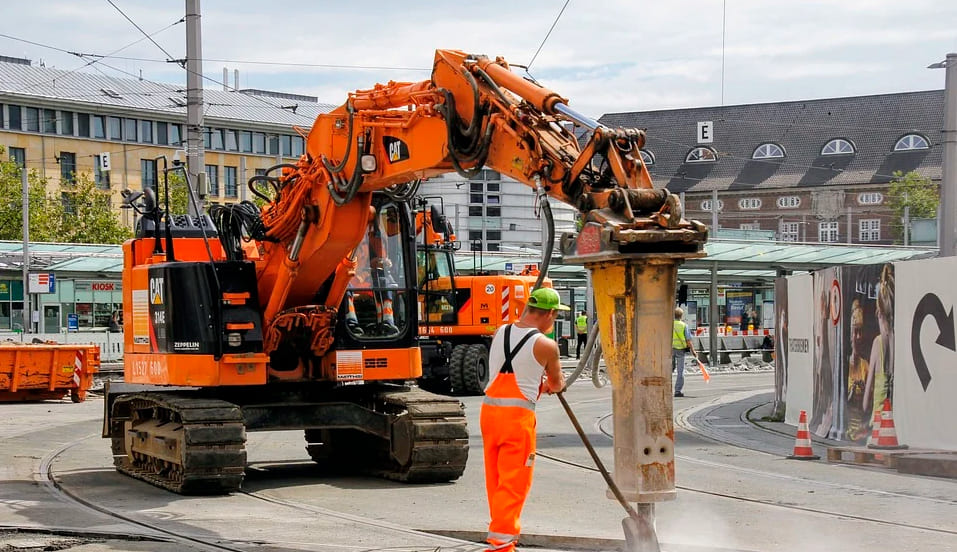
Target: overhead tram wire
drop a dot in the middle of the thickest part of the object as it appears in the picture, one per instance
(548, 34)
(140, 29)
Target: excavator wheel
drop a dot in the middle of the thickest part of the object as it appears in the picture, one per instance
(474, 370)
(457, 368)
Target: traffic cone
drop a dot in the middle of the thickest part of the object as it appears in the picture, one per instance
(875, 428)
(802, 441)
(887, 435)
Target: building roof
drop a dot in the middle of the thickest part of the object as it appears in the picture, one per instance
(873, 124)
(43, 84)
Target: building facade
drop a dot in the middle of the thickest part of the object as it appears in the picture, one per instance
(811, 171)
(64, 123)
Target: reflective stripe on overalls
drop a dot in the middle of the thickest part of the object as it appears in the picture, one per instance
(508, 439)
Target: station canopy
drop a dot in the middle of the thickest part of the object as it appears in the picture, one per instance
(734, 260)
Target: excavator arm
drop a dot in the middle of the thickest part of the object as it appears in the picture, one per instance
(474, 112)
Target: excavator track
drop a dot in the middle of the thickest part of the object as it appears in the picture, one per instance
(429, 440)
(188, 445)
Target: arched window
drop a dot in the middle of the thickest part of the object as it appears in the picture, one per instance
(838, 146)
(768, 151)
(647, 157)
(701, 155)
(911, 142)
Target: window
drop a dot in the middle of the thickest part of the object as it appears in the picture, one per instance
(494, 235)
(870, 198)
(838, 146)
(99, 126)
(66, 123)
(49, 121)
(246, 141)
(216, 137)
(175, 134)
(116, 128)
(19, 157)
(232, 141)
(493, 211)
(701, 155)
(260, 172)
(298, 146)
(146, 132)
(475, 246)
(827, 232)
(100, 177)
(487, 174)
(477, 187)
(67, 168)
(493, 200)
(749, 226)
(162, 134)
(493, 186)
(286, 145)
(492, 246)
(259, 142)
(706, 205)
(475, 211)
(749, 203)
(31, 116)
(15, 120)
(911, 142)
(475, 235)
(148, 177)
(83, 125)
(768, 151)
(212, 176)
(789, 231)
(272, 145)
(789, 202)
(129, 130)
(476, 198)
(647, 157)
(229, 181)
(870, 230)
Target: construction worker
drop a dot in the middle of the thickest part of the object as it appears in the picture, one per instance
(519, 356)
(581, 327)
(680, 344)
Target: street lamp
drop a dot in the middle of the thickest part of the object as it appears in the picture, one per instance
(947, 220)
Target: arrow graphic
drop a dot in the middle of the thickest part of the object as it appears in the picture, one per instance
(931, 305)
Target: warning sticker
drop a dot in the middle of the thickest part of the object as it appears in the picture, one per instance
(348, 365)
(141, 316)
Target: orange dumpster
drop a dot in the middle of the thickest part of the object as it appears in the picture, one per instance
(41, 371)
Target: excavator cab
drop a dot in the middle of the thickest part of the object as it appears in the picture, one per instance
(379, 303)
(436, 285)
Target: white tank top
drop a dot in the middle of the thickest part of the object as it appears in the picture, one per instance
(528, 371)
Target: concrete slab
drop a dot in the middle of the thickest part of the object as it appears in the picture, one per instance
(936, 464)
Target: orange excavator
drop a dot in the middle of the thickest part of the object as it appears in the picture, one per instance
(458, 315)
(302, 315)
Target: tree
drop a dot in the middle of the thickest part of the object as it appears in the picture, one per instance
(87, 216)
(918, 193)
(80, 214)
(44, 213)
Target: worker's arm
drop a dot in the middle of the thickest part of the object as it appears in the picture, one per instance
(546, 353)
(688, 342)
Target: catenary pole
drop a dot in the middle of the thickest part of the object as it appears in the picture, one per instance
(27, 308)
(195, 154)
(947, 221)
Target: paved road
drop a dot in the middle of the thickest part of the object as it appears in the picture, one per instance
(736, 491)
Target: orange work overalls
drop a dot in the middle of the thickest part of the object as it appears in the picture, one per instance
(508, 438)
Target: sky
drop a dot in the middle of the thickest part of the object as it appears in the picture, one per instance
(604, 56)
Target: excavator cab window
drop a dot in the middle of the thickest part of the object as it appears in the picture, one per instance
(376, 298)
(436, 285)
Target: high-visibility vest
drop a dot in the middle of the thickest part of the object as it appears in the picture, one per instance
(582, 323)
(678, 339)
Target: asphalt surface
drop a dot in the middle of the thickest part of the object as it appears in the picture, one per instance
(736, 491)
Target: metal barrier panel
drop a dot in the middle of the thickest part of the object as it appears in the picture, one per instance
(110, 343)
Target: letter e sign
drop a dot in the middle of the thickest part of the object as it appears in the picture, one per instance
(705, 132)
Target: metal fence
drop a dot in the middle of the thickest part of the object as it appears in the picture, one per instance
(111, 344)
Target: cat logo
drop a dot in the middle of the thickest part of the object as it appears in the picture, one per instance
(396, 149)
(156, 291)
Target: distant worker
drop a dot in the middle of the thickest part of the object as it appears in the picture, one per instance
(680, 343)
(581, 327)
(508, 411)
